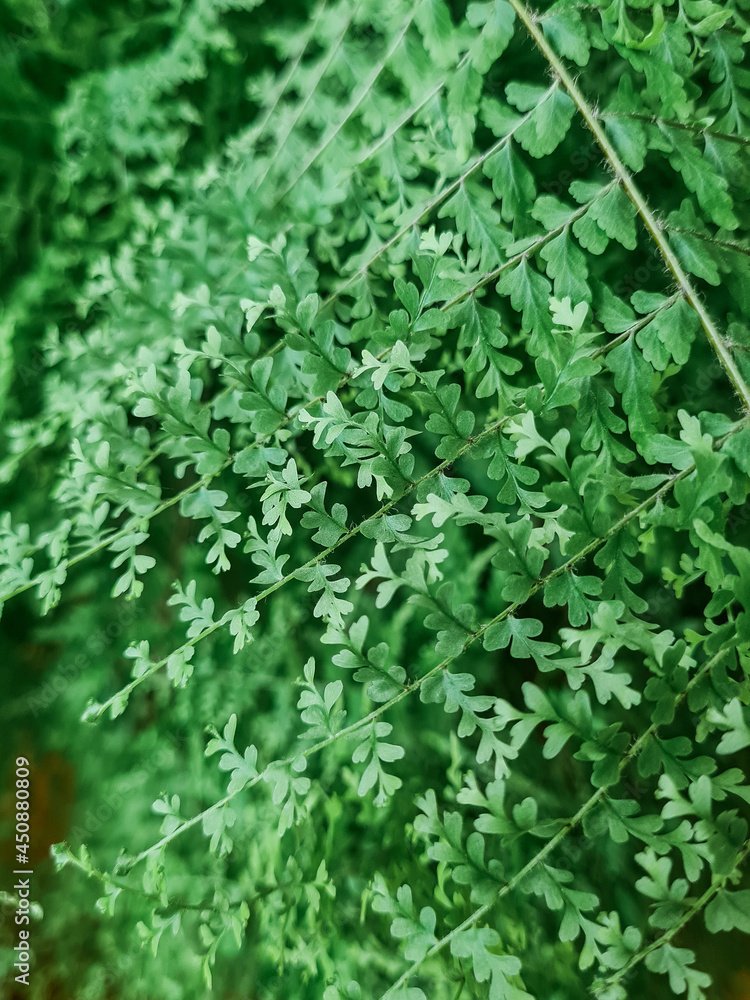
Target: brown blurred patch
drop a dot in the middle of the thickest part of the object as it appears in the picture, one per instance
(38, 656)
(52, 790)
(739, 986)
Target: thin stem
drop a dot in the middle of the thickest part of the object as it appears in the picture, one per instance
(359, 96)
(686, 126)
(638, 325)
(698, 905)
(407, 116)
(517, 258)
(322, 70)
(171, 904)
(433, 203)
(708, 238)
(289, 75)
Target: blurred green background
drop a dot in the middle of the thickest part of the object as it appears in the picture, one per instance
(103, 109)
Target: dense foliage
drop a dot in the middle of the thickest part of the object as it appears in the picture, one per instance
(376, 464)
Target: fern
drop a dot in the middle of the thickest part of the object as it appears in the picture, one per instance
(416, 412)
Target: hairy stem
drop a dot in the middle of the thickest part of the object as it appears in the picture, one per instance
(652, 225)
